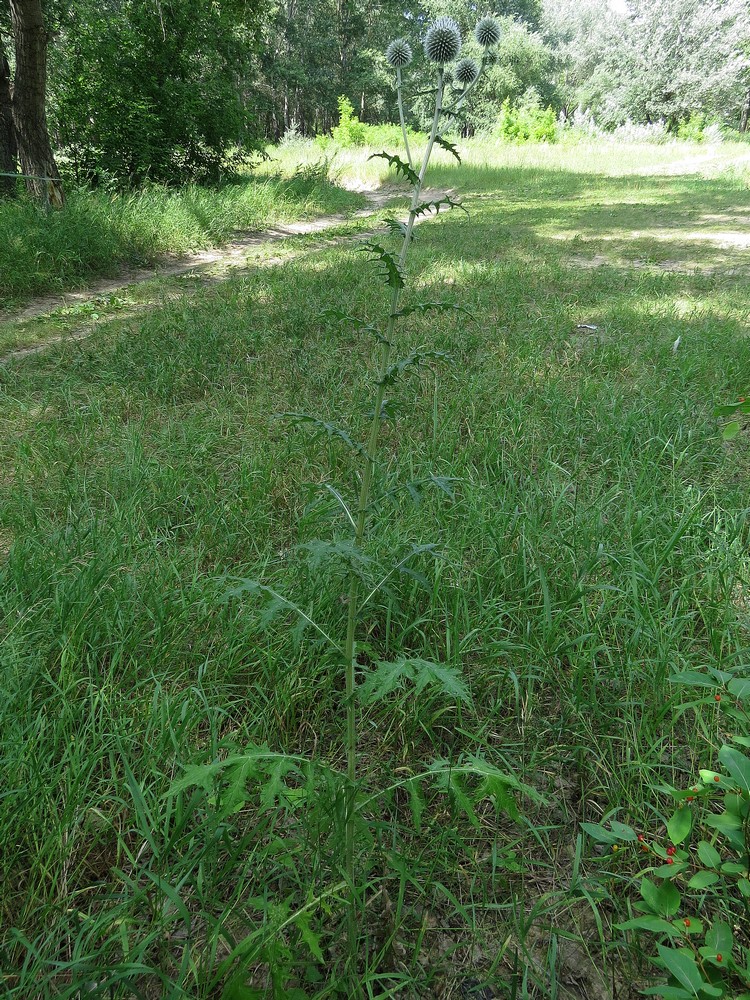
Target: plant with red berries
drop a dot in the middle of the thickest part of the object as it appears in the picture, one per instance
(700, 861)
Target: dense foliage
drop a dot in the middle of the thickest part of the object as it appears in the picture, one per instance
(176, 90)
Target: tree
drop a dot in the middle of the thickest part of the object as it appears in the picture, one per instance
(154, 90)
(29, 100)
(8, 148)
(660, 62)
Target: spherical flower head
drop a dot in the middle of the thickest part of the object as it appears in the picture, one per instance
(443, 41)
(398, 54)
(487, 31)
(466, 71)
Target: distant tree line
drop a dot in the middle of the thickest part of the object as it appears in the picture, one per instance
(128, 91)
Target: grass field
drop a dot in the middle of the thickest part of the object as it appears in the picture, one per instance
(97, 234)
(581, 534)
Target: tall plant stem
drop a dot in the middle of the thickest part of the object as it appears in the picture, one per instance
(401, 117)
(361, 524)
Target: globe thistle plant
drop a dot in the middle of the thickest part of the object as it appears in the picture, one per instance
(443, 41)
(398, 54)
(466, 71)
(487, 32)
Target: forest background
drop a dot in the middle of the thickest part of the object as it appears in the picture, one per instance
(174, 91)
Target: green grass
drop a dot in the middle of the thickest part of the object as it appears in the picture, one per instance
(595, 541)
(97, 234)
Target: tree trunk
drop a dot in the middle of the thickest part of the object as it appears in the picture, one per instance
(29, 93)
(8, 149)
(745, 119)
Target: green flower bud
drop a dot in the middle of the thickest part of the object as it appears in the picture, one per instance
(398, 54)
(487, 31)
(443, 41)
(466, 71)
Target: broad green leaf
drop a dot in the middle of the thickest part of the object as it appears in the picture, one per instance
(731, 430)
(708, 854)
(663, 899)
(622, 831)
(683, 967)
(702, 880)
(738, 766)
(692, 678)
(744, 887)
(740, 688)
(719, 938)
(679, 825)
(733, 868)
(600, 834)
(650, 922)
(238, 991)
(670, 871)
(743, 741)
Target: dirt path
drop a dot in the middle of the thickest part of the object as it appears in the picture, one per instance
(170, 266)
(216, 263)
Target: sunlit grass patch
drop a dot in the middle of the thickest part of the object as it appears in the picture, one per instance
(592, 529)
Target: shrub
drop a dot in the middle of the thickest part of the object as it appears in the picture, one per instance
(350, 131)
(693, 128)
(527, 123)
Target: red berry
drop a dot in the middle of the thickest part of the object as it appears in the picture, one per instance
(641, 838)
(644, 847)
(717, 697)
(686, 923)
(717, 778)
(670, 861)
(718, 958)
(671, 850)
(690, 798)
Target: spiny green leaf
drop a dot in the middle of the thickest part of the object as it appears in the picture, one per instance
(359, 324)
(429, 206)
(392, 272)
(449, 147)
(323, 551)
(400, 165)
(389, 676)
(423, 307)
(415, 360)
(324, 428)
(308, 935)
(399, 228)
(416, 803)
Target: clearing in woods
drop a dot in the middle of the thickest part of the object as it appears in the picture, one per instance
(593, 538)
